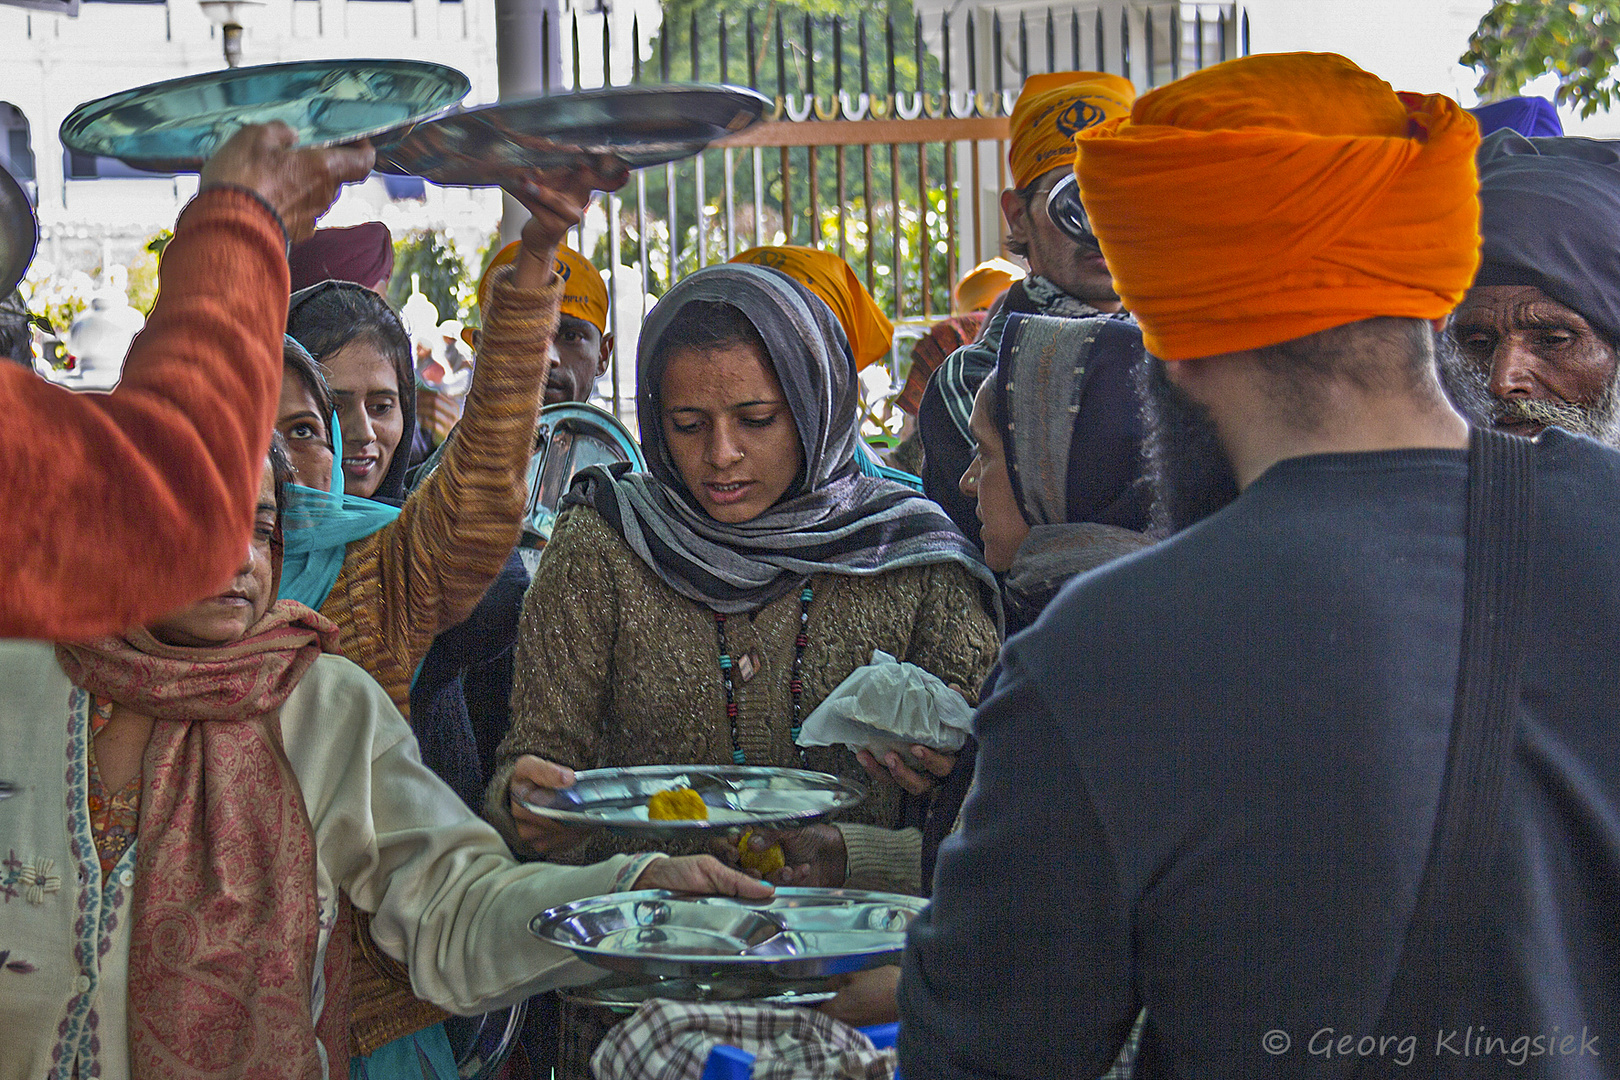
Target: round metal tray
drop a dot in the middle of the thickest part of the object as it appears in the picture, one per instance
(797, 934)
(627, 992)
(738, 796)
(640, 125)
(176, 125)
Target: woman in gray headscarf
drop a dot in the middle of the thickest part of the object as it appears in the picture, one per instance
(696, 613)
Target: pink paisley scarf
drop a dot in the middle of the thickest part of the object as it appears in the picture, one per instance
(225, 920)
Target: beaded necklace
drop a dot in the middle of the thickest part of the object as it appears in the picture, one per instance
(795, 681)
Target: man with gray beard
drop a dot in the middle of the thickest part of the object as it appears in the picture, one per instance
(1533, 343)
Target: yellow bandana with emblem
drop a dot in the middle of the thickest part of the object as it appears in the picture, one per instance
(584, 293)
(1052, 109)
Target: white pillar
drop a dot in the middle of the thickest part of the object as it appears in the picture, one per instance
(522, 72)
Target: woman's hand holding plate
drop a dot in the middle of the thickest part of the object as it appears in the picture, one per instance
(533, 781)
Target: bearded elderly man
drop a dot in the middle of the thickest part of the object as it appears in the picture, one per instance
(1066, 278)
(1535, 337)
(1250, 780)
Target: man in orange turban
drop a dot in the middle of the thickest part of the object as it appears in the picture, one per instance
(869, 331)
(1209, 784)
(1066, 279)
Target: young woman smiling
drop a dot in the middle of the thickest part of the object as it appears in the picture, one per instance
(400, 584)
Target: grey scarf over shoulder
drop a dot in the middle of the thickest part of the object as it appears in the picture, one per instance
(832, 521)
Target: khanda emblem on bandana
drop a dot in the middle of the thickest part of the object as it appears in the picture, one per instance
(561, 269)
(785, 263)
(776, 260)
(1080, 115)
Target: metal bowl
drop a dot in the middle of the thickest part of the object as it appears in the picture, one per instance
(640, 125)
(573, 436)
(738, 796)
(177, 124)
(797, 934)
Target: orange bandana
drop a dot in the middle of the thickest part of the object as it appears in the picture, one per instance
(869, 331)
(584, 293)
(1270, 197)
(985, 283)
(1052, 109)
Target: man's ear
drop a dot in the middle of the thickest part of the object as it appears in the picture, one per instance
(1017, 215)
(606, 357)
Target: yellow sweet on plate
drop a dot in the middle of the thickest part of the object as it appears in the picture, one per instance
(761, 862)
(677, 804)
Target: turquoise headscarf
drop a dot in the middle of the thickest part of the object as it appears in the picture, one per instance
(317, 528)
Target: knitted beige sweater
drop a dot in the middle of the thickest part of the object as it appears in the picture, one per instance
(616, 668)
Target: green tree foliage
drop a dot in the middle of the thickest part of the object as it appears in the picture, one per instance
(1521, 40)
(439, 270)
(475, 270)
(142, 287)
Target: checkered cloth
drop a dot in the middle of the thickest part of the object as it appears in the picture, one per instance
(671, 1040)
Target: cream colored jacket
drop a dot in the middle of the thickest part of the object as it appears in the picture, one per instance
(447, 898)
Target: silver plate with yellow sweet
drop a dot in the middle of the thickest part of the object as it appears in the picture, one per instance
(797, 934)
(676, 800)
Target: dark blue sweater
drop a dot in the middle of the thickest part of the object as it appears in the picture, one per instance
(1207, 783)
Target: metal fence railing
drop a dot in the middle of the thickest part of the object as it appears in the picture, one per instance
(886, 142)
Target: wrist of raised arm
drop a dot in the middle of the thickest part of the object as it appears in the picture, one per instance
(218, 191)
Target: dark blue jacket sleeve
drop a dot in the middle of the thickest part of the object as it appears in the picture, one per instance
(1021, 965)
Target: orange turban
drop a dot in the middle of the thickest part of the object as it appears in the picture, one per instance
(985, 282)
(584, 293)
(1052, 109)
(869, 331)
(1270, 197)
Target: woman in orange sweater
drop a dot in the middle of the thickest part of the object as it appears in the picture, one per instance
(400, 585)
(139, 501)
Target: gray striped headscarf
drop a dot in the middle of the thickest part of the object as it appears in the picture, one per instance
(831, 521)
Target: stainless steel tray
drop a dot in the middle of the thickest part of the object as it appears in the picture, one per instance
(620, 990)
(175, 125)
(797, 934)
(738, 796)
(640, 125)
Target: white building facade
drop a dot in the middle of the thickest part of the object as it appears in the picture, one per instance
(93, 211)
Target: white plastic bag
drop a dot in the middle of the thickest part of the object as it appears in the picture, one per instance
(889, 705)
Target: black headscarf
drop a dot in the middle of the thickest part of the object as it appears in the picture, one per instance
(1550, 217)
(326, 317)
